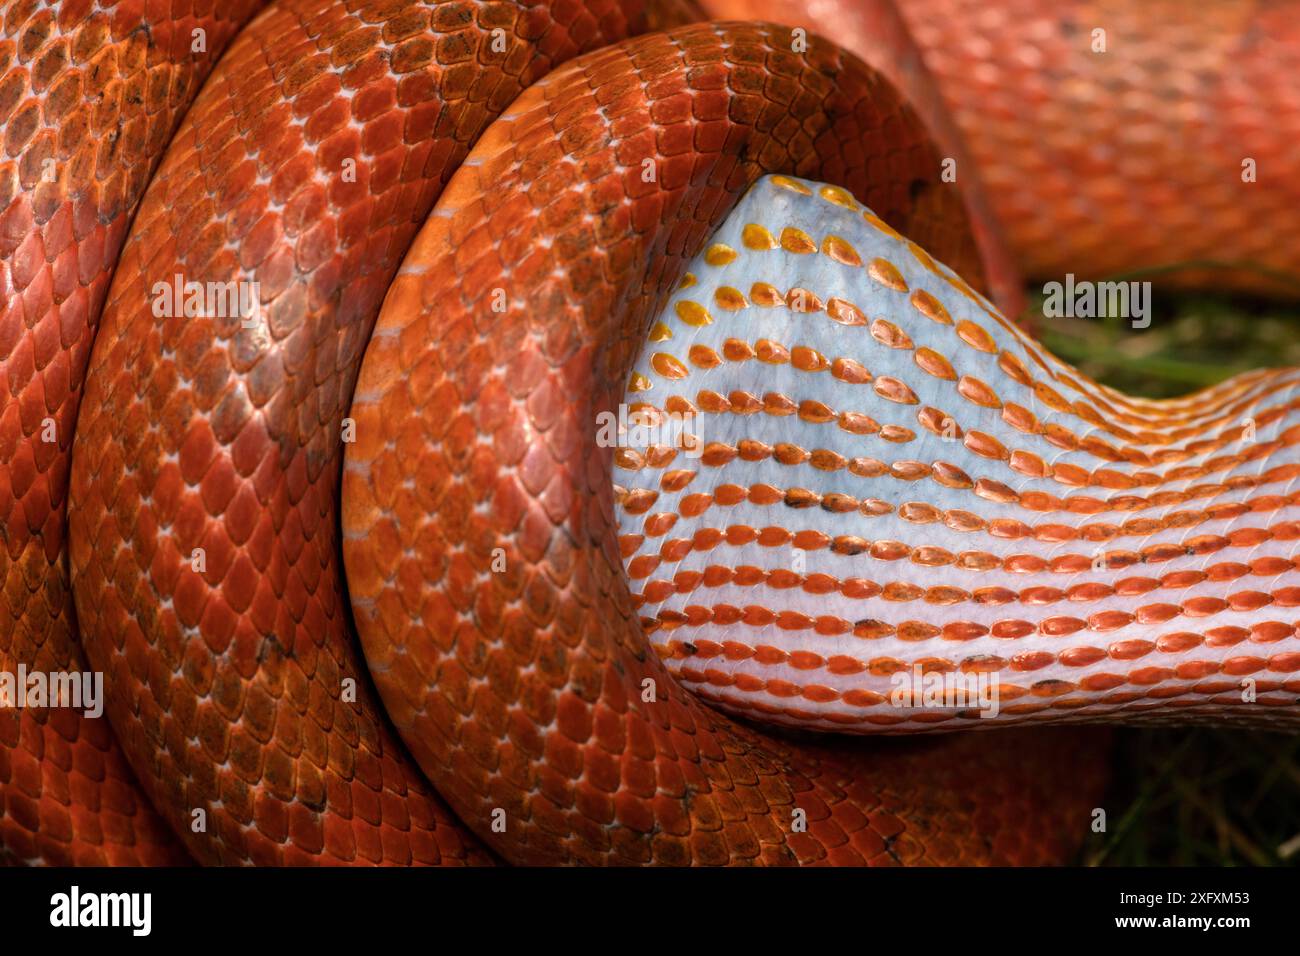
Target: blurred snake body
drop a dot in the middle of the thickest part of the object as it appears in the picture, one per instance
(368, 583)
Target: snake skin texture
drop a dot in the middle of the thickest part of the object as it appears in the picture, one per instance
(877, 33)
(1133, 183)
(231, 443)
(525, 688)
(311, 311)
(957, 501)
(90, 94)
(1113, 153)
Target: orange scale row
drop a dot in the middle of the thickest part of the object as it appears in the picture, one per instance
(1021, 461)
(774, 536)
(1174, 426)
(686, 582)
(640, 501)
(779, 405)
(720, 454)
(829, 625)
(1052, 688)
(1064, 707)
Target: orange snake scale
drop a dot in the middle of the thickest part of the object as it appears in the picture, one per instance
(331, 332)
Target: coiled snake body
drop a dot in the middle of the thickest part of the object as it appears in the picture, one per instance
(910, 482)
